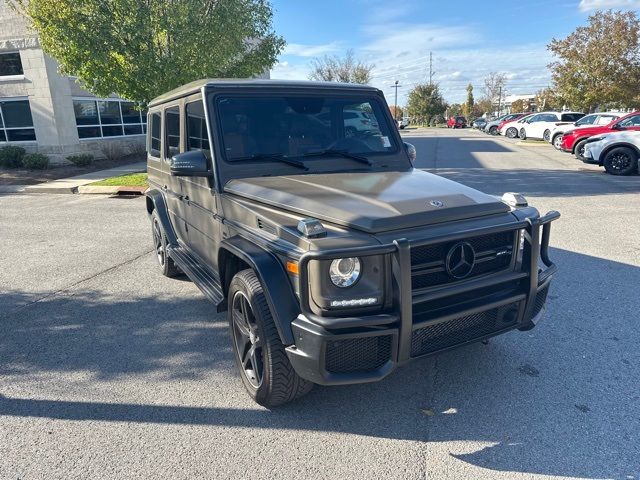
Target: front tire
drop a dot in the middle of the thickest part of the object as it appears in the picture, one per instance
(557, 141)
(511, 133)
(167, 267)
(621, 161)
(546, 136)
(578, 151)
(493, 130)
(523, 134)
(266, 372)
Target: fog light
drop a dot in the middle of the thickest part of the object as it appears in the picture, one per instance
(354, 302)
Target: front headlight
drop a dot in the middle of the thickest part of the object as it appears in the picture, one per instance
(344, 272)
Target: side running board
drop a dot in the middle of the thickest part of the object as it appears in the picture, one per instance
(206, 280)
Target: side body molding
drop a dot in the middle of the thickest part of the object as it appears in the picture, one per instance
(275, 282)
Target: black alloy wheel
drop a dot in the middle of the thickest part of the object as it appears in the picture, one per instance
(621, 161)
(578, 151)
(246, 339)
(167, 266)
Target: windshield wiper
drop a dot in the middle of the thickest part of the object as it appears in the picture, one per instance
(340, 153)
(275, 156)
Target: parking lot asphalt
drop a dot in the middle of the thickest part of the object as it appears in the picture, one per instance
(109, 370)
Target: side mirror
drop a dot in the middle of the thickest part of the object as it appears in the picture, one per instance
(411, 152)
(190, 164)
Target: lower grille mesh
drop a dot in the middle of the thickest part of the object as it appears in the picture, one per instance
(462, 329)
(358, 354)
(541, 298)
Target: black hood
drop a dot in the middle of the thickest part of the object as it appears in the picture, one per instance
(370, 202)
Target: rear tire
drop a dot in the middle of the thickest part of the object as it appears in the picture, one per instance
(168, 268)
(578, 151)
(621, 161)
(266, 372)
(511, 133)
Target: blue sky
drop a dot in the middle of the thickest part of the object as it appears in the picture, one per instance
(468, 39)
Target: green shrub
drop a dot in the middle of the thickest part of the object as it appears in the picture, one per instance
(11, 156)
(36, 161)
(81, 159)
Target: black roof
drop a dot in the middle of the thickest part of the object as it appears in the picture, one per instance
(196, 86)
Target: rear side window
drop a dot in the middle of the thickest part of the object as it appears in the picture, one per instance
(633, 121)
(197, 137)
(154, 135)
(172, 131)
(605, 119)
(588, 120)
(571, 117)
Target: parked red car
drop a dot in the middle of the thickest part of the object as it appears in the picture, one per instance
(457, 122)
(574, 140)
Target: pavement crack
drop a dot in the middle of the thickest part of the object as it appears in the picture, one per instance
(74, 284)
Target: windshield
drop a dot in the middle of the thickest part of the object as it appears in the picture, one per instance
(294, 127)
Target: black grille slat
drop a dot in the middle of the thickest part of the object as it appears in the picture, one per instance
(438, 336)
(358, 354)
(485, 246)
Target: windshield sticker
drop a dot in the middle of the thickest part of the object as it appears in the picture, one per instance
(385, 142)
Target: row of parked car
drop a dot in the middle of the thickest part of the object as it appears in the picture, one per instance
(608, 139)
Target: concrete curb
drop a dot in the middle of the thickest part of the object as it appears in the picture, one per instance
(110, 190)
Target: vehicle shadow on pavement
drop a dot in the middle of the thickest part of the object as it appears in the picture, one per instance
(561, 399)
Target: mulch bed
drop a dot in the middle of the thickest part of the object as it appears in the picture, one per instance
(17, 176)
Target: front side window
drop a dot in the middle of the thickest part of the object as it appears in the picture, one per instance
(16, 122)
(303, 126)
(587, 120)
(10, 64)
(172, 131)
(108, 118)
(633, 121)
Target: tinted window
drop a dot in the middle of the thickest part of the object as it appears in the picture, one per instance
(511, 117)
(154, 135)
(109, 112)
(571, 117)
(197, 136)
(172, 131)
(17, 114)
(297, 126)
(130, 114)
(633, 121)
(10, 64)
(535, 118)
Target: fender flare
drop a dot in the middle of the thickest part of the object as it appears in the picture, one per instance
(160, 206)
(275, 282)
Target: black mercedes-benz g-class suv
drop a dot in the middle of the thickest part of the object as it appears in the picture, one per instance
(295, 207)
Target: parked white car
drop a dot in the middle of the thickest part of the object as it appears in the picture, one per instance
(601, 118)
(540, 125)
(510, 129)
(617, 152)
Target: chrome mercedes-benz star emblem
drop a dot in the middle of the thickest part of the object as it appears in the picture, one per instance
(436, 203)
(460, 260)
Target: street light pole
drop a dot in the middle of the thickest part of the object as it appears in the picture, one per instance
(395, 111)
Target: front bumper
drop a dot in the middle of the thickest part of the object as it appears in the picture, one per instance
(333, 351)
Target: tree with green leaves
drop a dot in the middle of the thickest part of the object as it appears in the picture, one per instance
(467, 109)
(347, 69)
(548, 99)
(455, 109)
(599, 64)
(425, 101)
(139, 49)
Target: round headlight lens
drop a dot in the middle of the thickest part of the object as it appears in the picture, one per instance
(344, 272)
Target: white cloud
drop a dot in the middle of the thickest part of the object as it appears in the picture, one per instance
(289, 71)
(301, 50)
(589, 5)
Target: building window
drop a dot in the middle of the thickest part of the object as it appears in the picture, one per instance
(16, 122)
(97, 118)
(10, 64)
